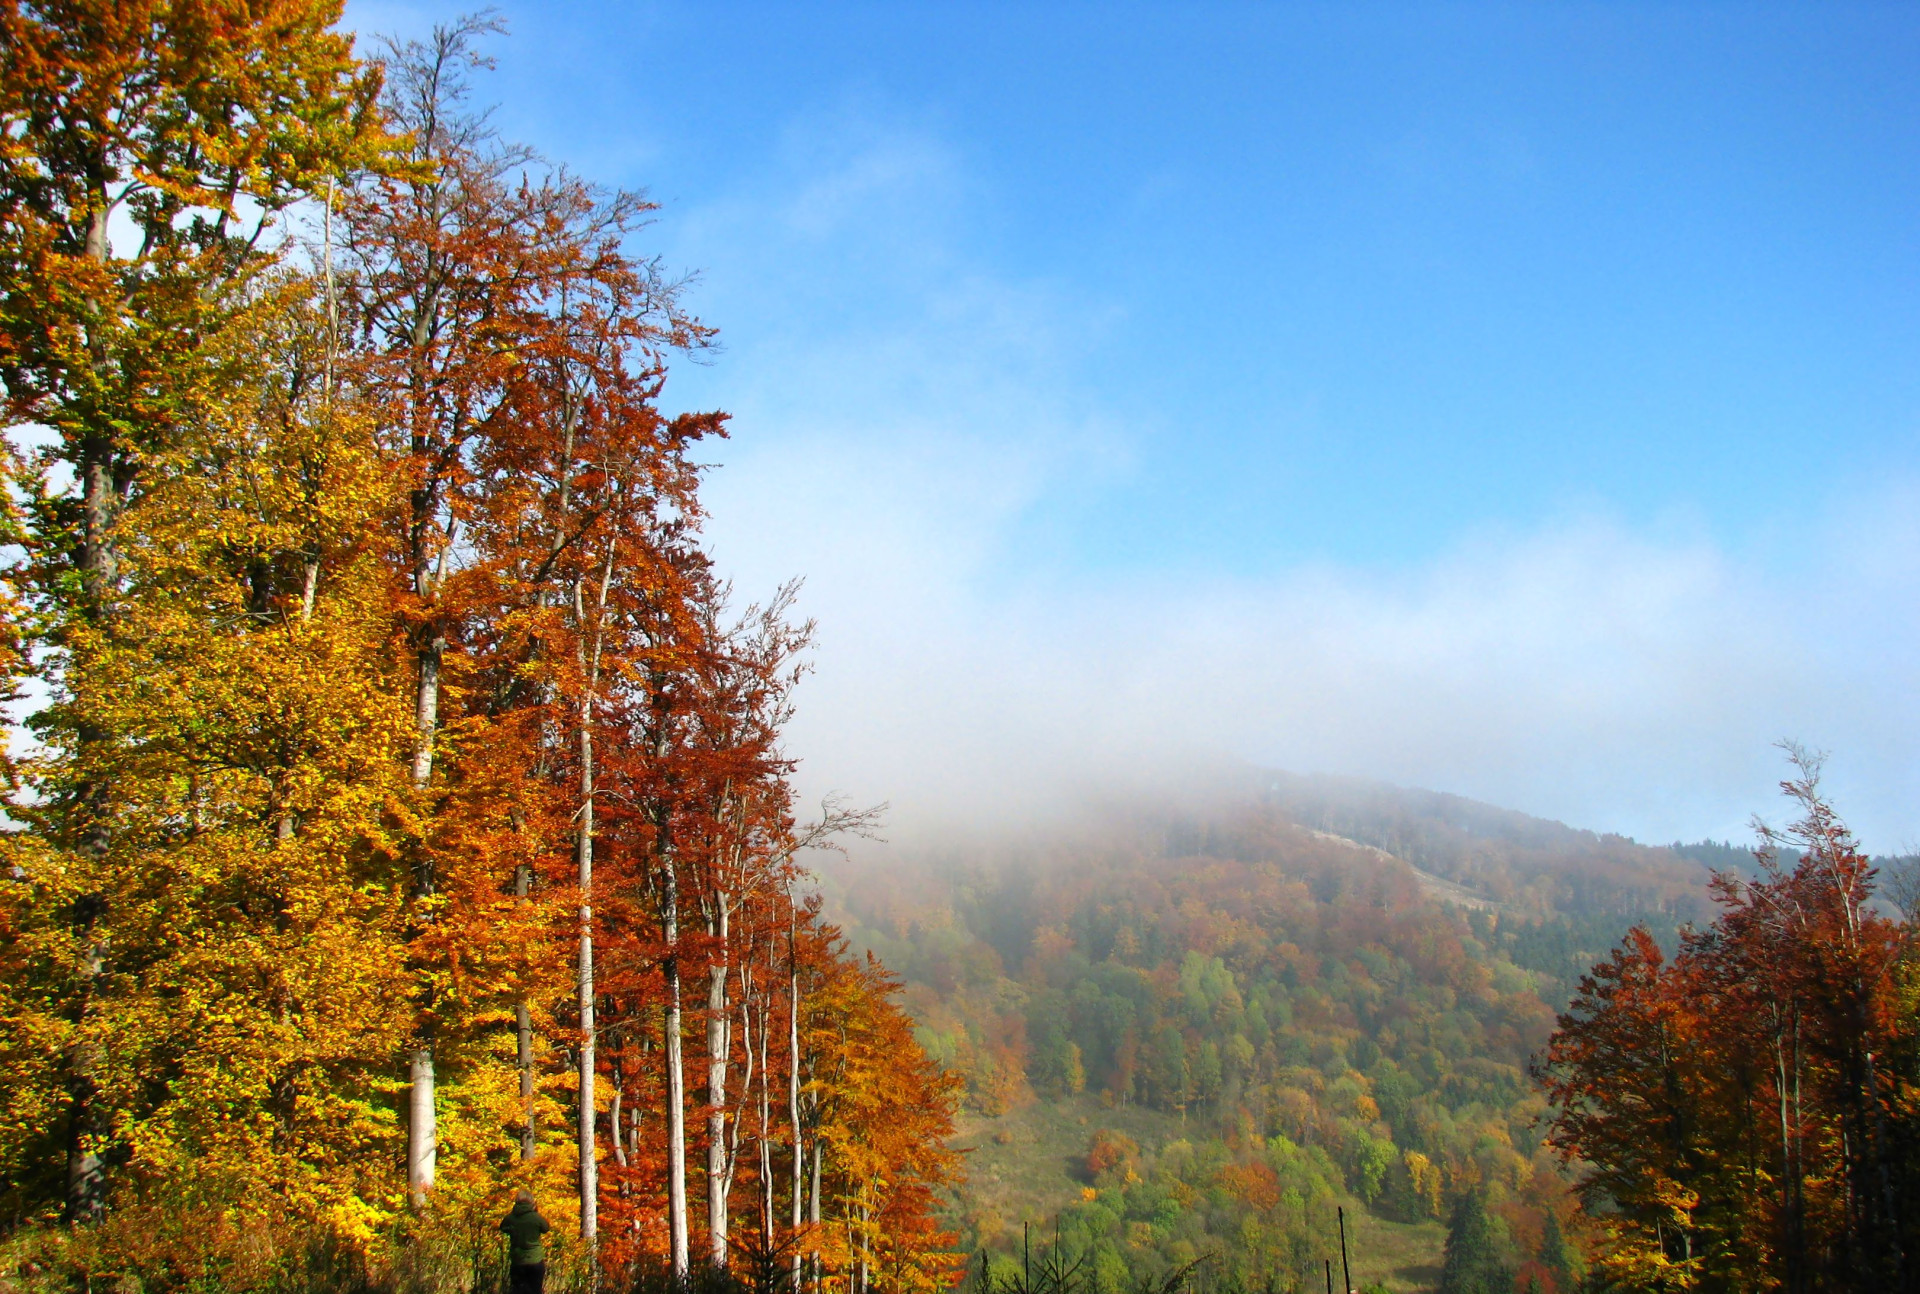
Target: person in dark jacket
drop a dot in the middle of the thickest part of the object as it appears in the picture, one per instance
(526, 1251)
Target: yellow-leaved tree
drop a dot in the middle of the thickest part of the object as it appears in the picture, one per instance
(237, 995)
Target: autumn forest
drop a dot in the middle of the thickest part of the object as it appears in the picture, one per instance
(407, 817)
(401, 814)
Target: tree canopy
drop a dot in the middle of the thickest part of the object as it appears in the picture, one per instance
(408, 818)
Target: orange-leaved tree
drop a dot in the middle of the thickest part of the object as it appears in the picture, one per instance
(1745, 1109)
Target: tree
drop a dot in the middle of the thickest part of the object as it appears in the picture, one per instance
(232, 1021)
(1557, 1254)
(1473, 1263)
(882, 1114)
(1742, 1106)
(196, 125)
(514, 351)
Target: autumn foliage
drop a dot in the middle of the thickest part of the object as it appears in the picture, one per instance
(407, 817)
(1744, 1112)
(1242, 1027)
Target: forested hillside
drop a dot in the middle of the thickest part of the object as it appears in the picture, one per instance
(1505, 1054)
(1213, 1027)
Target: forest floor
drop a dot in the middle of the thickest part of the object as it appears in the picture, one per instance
(1025, 1165)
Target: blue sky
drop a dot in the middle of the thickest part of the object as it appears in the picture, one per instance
(1520, 400)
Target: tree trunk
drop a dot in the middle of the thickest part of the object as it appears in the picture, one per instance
(86, 1177)
(523, 1029)
(589, 1165)
(86, 1124)
(793, 1094)
(615, 1110)
(766, 1125)
(86, 1121)
(529, 1131)
(422, 1130)
(423, 1137)
(863, 1250)
(676, 1080)
(719, 1044)
(98, 562)
(588, 655)
(813, 1206)
(427, 709)
(1794, 1255)
(747, 1076)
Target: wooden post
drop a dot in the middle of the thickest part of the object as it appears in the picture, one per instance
(1346, 1276)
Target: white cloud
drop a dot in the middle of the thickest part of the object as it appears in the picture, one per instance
(1579, 672)
(904, 412)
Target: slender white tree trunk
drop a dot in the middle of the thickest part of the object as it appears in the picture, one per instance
(793, 1091)
(766, 1120)
(676, 1080)
(589, 649)
(589, 1164)
(523, 1031)
(615, 1110)
(423, 1131)
(747, 1075)
(426, 710)
(813, 1206)
(863, 1250)
(719, 1044)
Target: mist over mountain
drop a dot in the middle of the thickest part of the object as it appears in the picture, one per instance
(1458, 850)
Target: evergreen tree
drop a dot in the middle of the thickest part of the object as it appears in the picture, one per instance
(1473, 1263)
(1558, 1254)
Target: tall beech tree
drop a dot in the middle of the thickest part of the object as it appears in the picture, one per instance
(508, 333)
(435, 261)
(193, 126)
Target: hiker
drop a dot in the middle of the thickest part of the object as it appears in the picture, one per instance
(526, 1251)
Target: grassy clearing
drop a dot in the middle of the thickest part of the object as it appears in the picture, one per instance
(1025, 1165)
(1402, 1256)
